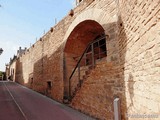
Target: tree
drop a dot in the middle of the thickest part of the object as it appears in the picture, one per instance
(1, 73)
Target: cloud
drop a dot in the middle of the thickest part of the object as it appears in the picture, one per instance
(9, 46)
(10, 41)
(9, 49)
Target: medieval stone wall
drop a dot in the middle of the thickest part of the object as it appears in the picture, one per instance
(140, 55)
(134, 76)
(12, 70)
(43, 61)
(130, 71)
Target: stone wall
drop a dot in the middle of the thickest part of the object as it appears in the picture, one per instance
(43, 61)
(140, 55)
(137, 80)
(12, 70)
(130, 71)
(134, 76)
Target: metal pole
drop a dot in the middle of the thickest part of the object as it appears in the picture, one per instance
(117, 113)
(79, 73)
(69, 89)
(85, 59)
(92, 55)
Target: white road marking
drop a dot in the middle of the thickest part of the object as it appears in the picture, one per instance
(15, 102)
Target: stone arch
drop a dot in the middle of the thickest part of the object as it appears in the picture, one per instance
(97, 15)
(88, 25)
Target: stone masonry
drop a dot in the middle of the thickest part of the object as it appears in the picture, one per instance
(130, 71)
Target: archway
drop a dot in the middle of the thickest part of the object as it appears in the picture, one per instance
(85, 33)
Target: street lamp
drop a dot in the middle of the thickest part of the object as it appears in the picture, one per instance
(1, 50)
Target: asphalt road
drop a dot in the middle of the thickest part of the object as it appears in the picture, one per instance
(20, 103)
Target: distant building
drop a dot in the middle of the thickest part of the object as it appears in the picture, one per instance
(11, 67)
(21, 51)
(7, 71)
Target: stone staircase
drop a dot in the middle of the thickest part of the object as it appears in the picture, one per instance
(85, 73)
(83, 77)
(84, 66)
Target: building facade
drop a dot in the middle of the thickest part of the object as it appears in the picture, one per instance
(11, 67)
(102, 50)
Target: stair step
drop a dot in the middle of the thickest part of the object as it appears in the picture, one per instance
(87, 72)
(74, 93)
(66, 101)
(78, 85)
(91, 67)
(84, 77)
(76, 89)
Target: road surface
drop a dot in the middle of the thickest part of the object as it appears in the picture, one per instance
(20, 103)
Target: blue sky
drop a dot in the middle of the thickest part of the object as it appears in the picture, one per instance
(22, 21)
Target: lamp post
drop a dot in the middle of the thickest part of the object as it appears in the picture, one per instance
(1, 50)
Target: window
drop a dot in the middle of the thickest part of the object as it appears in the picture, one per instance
(31, 80)
(96, 51)
(49, 85)
(13, 71)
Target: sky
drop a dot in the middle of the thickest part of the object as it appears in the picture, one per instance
(24, 21)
